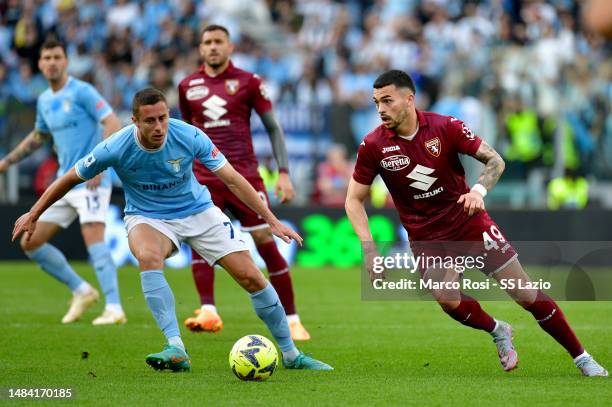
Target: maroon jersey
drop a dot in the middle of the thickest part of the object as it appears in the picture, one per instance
(221, 106)
(423, 175)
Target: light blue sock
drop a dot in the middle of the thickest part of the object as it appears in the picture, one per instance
(268, 307)
(160, 300)
(105, 271)
(52, 261)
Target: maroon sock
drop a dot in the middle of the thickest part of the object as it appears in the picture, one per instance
(551, 319)
(278, 270)
(204, 277)
(470, 313)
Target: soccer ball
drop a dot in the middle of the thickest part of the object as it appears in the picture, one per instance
(253, 358)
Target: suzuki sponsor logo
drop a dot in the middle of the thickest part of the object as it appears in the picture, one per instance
(395, 162)
(429, 194)
(420, 174)
(389, 149)
(214, 107)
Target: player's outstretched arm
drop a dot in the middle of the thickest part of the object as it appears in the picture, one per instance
(473, 201)
(284, 188)
(27, 222)
(355, 210)
(247, 194)
(33, 141)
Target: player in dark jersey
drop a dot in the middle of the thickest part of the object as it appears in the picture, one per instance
(218, 99)
(416, 154)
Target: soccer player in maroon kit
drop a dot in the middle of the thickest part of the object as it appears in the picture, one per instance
(218, 99)
(416, 154)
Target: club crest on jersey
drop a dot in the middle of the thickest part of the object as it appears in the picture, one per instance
(197, 92)
(390, 148)
(66, 105)
(231, 86)
(176, 164)
(433, 147)
(395, 162)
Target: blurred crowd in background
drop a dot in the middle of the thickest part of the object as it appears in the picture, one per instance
(524, 75)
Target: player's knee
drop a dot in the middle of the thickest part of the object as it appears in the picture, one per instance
(149, 259)
(250, 279)
(523, 297)
(447, 301)
(262, 236)
(30, 245)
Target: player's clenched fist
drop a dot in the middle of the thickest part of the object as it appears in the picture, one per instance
(472, 202)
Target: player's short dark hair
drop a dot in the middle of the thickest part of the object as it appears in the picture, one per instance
(214, 27)
(51, 43)
(395, 77)
(146, 96)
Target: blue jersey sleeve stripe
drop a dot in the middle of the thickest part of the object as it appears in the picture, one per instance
(218, 167)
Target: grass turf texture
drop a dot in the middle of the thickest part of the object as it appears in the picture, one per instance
(385, 353)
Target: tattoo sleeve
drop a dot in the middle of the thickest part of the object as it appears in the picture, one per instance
(494, 165)
(277, 139)
(33, 141)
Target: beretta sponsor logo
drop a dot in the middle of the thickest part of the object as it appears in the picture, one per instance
(197, 92)
(395, 162)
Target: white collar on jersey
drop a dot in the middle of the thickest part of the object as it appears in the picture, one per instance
(413, 135)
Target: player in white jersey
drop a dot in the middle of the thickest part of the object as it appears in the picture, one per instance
(69, 114)
(165, 205)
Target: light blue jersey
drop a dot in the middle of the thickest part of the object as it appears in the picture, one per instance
(72, 116)
(157, 183)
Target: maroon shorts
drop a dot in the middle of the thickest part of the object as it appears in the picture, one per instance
(478, 243)
(225, 199)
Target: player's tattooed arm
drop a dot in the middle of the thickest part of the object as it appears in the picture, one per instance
(284, 188)
(494, 165)
(277, 139)
(32, 142)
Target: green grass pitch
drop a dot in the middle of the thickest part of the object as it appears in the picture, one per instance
(385, 353)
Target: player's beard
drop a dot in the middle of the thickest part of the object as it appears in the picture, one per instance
(215, 65)
(398, 120)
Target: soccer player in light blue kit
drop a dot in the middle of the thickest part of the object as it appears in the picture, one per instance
(69, 114)
(166, 205)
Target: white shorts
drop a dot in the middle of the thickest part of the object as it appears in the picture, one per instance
(89, 205)
(210, 233)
